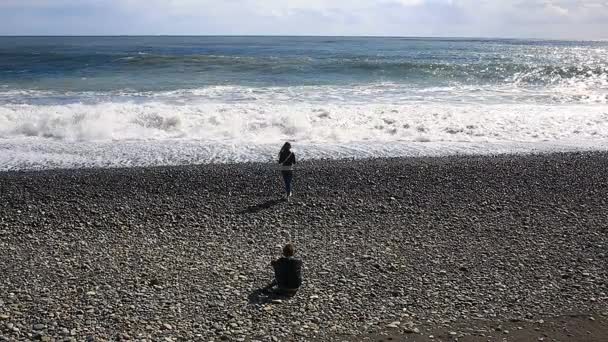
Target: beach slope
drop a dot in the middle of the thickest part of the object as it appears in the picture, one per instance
(478, 246)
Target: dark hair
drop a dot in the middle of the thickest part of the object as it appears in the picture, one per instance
(286, 147)
(289, 250)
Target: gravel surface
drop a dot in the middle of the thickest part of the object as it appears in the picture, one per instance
(399, 245)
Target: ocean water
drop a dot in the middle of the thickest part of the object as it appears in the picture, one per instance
(132, 101)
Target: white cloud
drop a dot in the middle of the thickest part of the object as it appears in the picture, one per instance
(510, 18)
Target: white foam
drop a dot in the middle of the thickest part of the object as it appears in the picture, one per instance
(330, 123)
(158, 133)
(589, 91)
(593, 90)
(29, 153)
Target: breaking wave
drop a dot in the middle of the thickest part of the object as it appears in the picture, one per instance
(304, 122)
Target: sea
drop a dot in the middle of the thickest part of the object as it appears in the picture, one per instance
(78, 102)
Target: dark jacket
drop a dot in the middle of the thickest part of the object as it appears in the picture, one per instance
(288, 272)
(287, 158)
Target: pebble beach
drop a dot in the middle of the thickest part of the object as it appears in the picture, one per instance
(468, 248)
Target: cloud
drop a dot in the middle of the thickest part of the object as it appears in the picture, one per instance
(582, 19)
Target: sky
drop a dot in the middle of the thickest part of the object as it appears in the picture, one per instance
(558, 19)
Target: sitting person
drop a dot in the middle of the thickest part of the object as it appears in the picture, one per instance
(287, 273)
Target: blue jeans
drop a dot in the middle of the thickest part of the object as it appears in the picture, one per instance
(287, 178)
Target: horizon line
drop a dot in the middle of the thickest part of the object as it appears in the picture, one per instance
(305, 36)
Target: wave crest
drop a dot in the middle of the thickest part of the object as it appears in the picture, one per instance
(330, 123)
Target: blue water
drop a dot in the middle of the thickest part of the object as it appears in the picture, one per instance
(63, 100)
(170, 63)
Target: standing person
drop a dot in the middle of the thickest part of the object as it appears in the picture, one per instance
(286, 161)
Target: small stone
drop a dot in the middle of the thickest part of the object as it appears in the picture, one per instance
(592, 318)
(277, 301)
(167, 326)
(393, 325)
(4, 317)
(39, 326)
(412, 331)
(453, 333)
(91, 293)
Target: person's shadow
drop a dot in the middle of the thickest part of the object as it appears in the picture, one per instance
(264, 296)
(261, 206)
